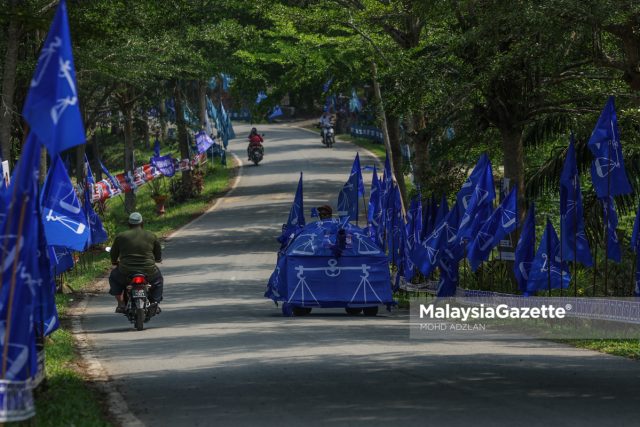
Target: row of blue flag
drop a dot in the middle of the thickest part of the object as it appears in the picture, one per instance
(434, 236)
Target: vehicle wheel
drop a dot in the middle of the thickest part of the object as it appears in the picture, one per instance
(370, 311)
(301, 311)
(352, 311)
(255, 162)
(139, 323)
(287, 310)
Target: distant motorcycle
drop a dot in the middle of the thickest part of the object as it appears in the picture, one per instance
(256, 154)
(138, 309)
(328, 136)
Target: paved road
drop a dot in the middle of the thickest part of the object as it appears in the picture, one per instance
(222, 355)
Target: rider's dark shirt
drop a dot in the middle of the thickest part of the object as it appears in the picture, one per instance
(137, 250)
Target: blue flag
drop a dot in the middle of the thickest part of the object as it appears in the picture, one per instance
(114, 182)
(203, 141)
(276, 112)
(430, 250)
(483, 194)
(394, 224)
(296, 214)
(607, 170)
(438, 214)
(611, 221)
(19, 277)
(348, 200)
(327, 85)
(525, 250)
(502, 222)
(635, 246)
(355, 106)
(156, 148)
(261, 97)
(468, 188)
(357, 170)
(90, 179)
(51, 107)
(548, 271)
(374, 213)
(97, 233)
(61, 259)
(45, 311)
(449, 277)
(414, 223)
(65, 223)
(574, 241)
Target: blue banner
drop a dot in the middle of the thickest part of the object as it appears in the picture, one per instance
(65, 223)
(165, 164)
(52, 108)
(366, 132)
(322, 269)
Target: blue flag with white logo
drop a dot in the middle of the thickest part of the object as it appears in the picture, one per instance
(357, 170)
(635, 247)
(61, 259)
(165, 164)
(348, 200)
(449, 277)
(483, 193)
(65, 223)
(468, 188)
(502, 222)
(90, 179)
(548, 271)
(45, 311)
(327, 85)
(610, 217)
(296, 220)
(574, 241)
(525, 250)
(51, 108)
(607, 170)
(394, 224)
(19, 278)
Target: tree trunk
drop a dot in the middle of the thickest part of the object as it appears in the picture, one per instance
(163, 121)
(145, 130)
(9, 85)
(513, 151)
(420, 141)
(183, 137)
(383, 119)
(202, 104)
(126, 107)
(393, 123)
(97, 170)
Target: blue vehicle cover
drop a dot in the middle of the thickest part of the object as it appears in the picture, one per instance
(325, 267)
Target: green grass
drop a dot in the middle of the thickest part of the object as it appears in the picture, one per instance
(624, 348)
(68, 400)
(375, 147)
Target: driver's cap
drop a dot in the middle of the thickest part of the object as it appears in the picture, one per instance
(135, 218)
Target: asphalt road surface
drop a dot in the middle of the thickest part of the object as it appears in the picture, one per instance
(220, 354)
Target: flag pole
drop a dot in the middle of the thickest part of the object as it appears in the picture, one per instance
(595, 269)
(575, 246)
(464, 264)
(561, 252)
(549, 264)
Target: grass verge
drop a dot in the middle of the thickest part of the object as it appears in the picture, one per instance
(624, 348)
(67, 399)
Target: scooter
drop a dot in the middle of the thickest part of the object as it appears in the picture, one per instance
(328, 136)
(256, 154)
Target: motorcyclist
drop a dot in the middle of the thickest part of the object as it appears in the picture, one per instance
(255, 140)
(136, 251)
(325, 212)
(327, 120)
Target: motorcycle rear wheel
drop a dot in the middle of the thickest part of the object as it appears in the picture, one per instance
(139, 322)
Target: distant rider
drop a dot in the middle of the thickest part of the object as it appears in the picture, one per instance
(327, 120)
(135, 251)
(325, 212)
(255, 140)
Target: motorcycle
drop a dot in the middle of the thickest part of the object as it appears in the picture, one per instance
(138, 309)
(256, 154)
(328, 136)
